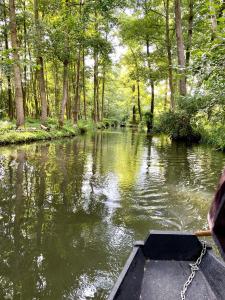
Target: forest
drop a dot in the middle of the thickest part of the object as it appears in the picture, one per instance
(155, 64)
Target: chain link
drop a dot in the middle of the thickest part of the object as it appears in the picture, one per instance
(194, 269)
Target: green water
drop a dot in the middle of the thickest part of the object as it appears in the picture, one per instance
(70, 210)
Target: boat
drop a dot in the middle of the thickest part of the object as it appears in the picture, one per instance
(158, 268)
(177, 265)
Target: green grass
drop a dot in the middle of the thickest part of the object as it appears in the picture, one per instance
(33, 132)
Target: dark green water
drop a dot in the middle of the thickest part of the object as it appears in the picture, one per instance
(70, 210)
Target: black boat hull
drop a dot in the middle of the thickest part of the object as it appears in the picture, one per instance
(158, 268)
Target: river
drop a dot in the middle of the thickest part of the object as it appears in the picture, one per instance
(71, 209)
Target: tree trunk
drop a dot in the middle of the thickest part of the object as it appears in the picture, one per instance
(40, 64)
(68, 104)
(169, 57)
(151, 113)
(95, 117)
(95, 113)
(180, 48)
(34, 81)
(9, 90)
(139, 100)
(97, 99)
(134, 121)
(138, 80)
(84, 88)
(77, 89)
(65, 92)
(166, 92)
(150, 123)
(10, 100)
(24, 86)
(16, 66)
(47, 92)
(56, 88)
(152, 102)
(103, 94)
(190, 32)
(134, 115)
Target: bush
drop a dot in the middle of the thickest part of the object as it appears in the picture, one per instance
(212, 130)
(178, 126)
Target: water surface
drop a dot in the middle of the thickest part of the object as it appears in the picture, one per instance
(70, 210)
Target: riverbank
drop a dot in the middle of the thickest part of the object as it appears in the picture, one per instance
(32, 131)
(181, 126)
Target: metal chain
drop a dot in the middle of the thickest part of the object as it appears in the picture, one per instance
(194, 269)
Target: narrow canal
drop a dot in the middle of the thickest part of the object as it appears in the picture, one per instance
(71, 209)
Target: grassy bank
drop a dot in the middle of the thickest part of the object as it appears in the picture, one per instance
(32, 131)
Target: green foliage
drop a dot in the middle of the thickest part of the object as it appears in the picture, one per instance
(85, 126)
(5, 126)
(67, 30)
(178, 126)
(110, 122)
(193, 104)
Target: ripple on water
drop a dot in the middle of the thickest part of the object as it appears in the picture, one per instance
(81, 203)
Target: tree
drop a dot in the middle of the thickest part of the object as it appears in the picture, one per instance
(180, 48)
(16, 66)
(8, 71)
(40, 62)
(169, 54)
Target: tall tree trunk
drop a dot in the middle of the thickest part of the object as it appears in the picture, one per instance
(134, 121)
(166, 92)
(169, 57)
(77, 89)
(56, 88)
(138, 80)
(42, 87)
(84, 87)
(10, 100)
(34, 82)
(16, 66)
(95, 113)
(97, 99)
(134, 115)
(190, 32)
(139, 99)
(68, 104)
(47, 91)
(9, 90)
(180, 48)
(103, 93)
(65, 92)
(24, 86)
(152, 106)
(40, 64)
(95, 116)
(152, 100)
(30, 95)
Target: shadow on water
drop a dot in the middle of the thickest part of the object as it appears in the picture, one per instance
(70, 210)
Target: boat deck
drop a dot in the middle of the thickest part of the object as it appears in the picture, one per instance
(158, 269)
(164, 279)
